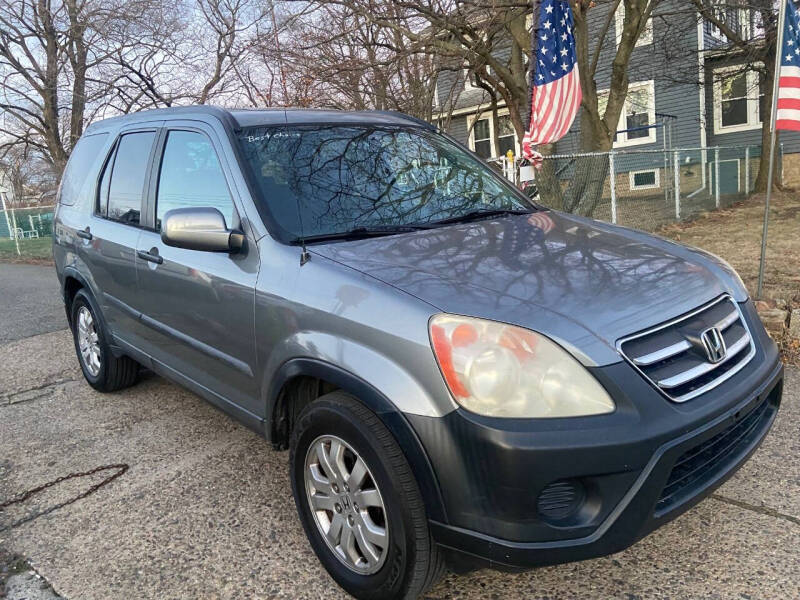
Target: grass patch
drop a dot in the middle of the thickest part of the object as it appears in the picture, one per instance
(735, 234)
(39, 250)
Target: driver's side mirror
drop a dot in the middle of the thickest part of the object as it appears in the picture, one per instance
(200, 228)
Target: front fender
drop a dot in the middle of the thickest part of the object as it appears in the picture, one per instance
(392, 418)
(386, 374)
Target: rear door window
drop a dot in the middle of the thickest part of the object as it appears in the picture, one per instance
(128, 171)
(191, 176)
(77, 177)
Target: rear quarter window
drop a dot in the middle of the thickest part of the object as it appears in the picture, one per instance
(78, 176)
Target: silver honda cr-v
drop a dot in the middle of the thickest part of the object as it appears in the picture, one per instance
(461, 377)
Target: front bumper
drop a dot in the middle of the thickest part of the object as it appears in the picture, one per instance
(637, 468)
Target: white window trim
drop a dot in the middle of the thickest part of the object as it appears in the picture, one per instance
(622, 138)
(753, 122)
(645, 39)
(632, 180)
(493, 138)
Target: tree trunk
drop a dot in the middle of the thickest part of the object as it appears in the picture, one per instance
(586, 175)
(547, 182)
(586, 186)
(49, 92)
(78, 56)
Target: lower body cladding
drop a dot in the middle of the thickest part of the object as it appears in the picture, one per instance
(526, 493)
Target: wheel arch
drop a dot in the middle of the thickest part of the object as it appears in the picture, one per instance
(294, 383)
(72, 281)
(70, 289)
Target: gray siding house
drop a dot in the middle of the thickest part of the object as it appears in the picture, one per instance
(687, 91)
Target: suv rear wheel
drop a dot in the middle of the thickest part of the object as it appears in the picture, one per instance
(359, 502)
(104, 371)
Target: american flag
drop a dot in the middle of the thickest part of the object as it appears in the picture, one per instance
(788, 116)
(555, 86)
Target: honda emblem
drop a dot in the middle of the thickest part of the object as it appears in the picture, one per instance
(714, 344)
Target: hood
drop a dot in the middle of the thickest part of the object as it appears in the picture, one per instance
(581, 282)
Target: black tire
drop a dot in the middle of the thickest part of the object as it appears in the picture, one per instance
(413, 562)
(115, 373)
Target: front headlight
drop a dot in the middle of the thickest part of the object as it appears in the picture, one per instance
(500, 370)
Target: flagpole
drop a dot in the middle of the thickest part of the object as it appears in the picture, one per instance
(773, 115)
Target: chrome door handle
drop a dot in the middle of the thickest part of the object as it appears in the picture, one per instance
(153, 258)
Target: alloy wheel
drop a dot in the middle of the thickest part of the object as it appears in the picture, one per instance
(346, 504)
(88, 342)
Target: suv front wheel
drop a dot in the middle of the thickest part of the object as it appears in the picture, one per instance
(359, 502)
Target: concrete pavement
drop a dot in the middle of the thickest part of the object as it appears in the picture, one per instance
(206, 511)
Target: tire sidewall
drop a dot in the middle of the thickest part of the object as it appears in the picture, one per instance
(336, 420)
(83, 299)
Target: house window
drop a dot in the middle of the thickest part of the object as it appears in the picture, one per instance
(482, 138)
(714, 31)
(644, 180)
(506, 137)
(638, 116)
(746, 25)
(736, 19)
(488, 141)
(646, 36)
(738, 99)
(733, 101)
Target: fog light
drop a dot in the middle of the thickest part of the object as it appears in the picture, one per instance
(561, 500)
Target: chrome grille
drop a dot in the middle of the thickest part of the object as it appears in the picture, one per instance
(674, 356)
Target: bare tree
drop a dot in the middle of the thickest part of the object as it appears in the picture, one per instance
(29, 177)
(37, 42)
(54, 59)
(331, 55)
(491, 39)
(64, 63)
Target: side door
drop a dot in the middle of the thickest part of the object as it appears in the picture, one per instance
(199, 306)
(109, 241)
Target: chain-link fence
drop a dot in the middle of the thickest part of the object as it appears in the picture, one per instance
(26, 232)
(645, 189)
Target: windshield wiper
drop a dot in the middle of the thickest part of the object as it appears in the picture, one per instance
(360, 232)
(482, 213)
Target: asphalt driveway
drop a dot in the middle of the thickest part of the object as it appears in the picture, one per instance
(29, 301)
(205, 508)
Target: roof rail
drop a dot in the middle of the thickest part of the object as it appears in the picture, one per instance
(215, 111)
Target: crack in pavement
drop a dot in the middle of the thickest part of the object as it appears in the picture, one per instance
(34, 393)
(764, 510)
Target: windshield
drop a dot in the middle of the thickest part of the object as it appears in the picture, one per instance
(323, 180)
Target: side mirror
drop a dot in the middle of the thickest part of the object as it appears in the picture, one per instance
(201, 228)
